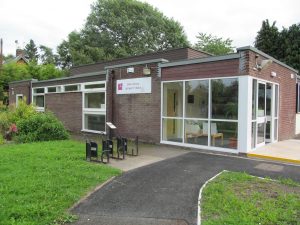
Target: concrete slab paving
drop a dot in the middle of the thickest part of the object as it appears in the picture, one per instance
(148, 154)
(166, 192)
(287, 151)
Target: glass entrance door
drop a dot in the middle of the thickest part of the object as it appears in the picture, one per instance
(261, 114)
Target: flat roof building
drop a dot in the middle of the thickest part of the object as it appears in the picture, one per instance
(233, 103)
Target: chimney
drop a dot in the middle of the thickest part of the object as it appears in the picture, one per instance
(1, 52)
(20, 52)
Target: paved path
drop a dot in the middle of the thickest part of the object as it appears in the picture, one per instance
(166, 192)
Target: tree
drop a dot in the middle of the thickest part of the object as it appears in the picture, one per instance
(13, 71)
(31, 51)
(267, 39)
(120, 28)
(213, 44)
(283, 45)
(46, 55)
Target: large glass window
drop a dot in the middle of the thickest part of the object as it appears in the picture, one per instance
(261, 100)
(269, 99)
(254, 97)
(94, 100)
(224, 98)
(185, 113)
(196, 132)
(173, 99)
(196, 99)
(172, 130)
(224, 134)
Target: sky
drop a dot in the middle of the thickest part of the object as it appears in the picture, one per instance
(49, 22)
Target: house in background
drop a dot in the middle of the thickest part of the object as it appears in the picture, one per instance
(19, 58)
(232, 103)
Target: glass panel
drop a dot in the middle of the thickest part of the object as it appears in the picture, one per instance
(225, 98)
(268, 99)
(195, 132)
(172, 130)
(51, 89)
(38, 90)
(261, 100)
(94, 100)
(268, 130)
(253, 135)
(38, 100)
(275, 129)
(224, 134)
(172, 99)
(92, 86)
(260, 133)
(196, 100)
(254, 98)
(71, 88)
(276, 100)
(94, 122)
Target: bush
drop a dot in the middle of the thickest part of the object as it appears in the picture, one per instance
(1, 140)
(40, 127)
(23, 111)
(4, 123)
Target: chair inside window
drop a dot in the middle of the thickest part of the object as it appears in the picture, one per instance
(214, 133)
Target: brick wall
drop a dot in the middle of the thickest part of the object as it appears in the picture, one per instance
(135, 114)
(287, 92)
(22, 87)
(67, 107)
(171, 55)
(201, 70)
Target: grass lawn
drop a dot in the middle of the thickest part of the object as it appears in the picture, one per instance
(40, 181)
(238, 198)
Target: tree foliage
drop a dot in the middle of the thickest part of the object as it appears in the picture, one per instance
(213, 44)
(283, 45)
(46, 55)
(120, 28)
(31, 51)
(14, 71)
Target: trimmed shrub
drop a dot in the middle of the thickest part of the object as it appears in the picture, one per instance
(40, 127)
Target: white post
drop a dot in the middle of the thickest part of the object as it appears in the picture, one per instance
(244, 114)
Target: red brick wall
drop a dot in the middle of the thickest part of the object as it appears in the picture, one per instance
(135, 114)
(19, 88)
(287, 92)
(202, 70)
(67, 107)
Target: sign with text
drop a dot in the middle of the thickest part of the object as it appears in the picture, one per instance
(134, 86)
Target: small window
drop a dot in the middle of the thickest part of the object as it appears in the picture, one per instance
(52, 89)
(94, 100)
(72, 88)
(94, 122)
(18, 99)
(39, 90)
(39, 101)
(94, 86)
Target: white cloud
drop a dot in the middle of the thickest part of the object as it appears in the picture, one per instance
(49, 22)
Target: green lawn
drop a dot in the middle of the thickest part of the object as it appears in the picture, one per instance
(237, 198)
(40, 181)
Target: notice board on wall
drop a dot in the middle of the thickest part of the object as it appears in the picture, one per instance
(134, 86)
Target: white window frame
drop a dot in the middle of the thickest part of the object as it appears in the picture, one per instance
(39, 109)
(209, 119)
(17, 98)
(86, 111)
(56, 91)
(75, 84)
